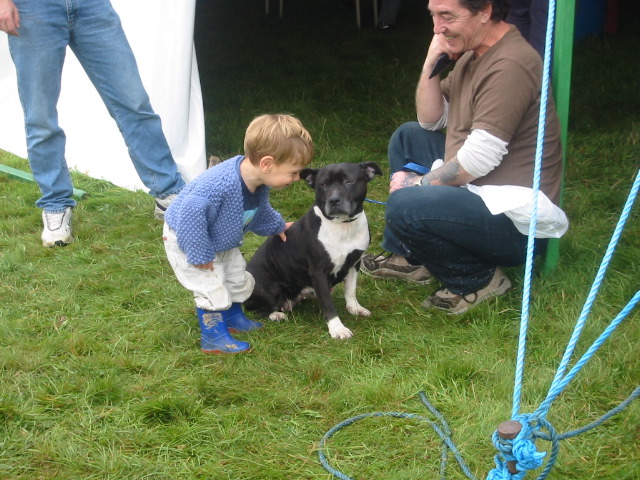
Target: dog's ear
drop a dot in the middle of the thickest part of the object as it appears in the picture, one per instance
(370, 169)
(309, 175)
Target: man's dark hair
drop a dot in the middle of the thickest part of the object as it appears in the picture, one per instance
(499, 12)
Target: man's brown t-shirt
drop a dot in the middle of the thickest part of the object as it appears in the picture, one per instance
(499, 92)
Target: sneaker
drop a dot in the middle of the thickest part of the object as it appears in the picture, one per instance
(57, 228)
(394, 266)
(162, 204)
(450, 302)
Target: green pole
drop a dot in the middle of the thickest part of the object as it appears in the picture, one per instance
(20, 175)
(561, 83)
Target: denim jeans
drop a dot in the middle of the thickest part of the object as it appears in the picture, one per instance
(447, 229)
(92, 29)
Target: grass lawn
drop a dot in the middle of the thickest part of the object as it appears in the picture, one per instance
(101, 373)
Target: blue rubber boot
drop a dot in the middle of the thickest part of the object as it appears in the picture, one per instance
(215, 338)
(238, 322)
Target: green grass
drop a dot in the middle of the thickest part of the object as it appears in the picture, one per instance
(101, 373)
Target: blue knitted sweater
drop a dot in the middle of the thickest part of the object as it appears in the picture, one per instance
(207, 214)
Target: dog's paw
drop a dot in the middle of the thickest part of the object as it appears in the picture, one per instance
(356, 309)
(277, 316)
(338, 330)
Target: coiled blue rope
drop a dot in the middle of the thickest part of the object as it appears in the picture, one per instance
(440, 426)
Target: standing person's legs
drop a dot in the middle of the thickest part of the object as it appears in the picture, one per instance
(530, 16)
(38, 54)
(538, 32)
(388, 13)
(102, 48)
(520, 15)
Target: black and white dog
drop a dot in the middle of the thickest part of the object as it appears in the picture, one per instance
(323, 248)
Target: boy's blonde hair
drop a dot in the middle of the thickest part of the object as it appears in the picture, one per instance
(280, 136)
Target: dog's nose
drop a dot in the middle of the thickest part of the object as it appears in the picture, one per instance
(333, 201)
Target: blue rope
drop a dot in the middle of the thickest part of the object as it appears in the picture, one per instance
(558, 384)
(614, 411)
(441, 428)
(529, 458)
(560, 381)
(526, 294)
(521, 449)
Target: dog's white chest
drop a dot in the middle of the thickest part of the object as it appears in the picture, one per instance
(342, 238)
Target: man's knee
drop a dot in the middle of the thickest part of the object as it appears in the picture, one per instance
(427, 203)
(401, 207)
(412, 143)
(405, 132)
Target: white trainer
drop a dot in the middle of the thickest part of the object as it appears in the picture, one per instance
(57, 228)
(162, 204)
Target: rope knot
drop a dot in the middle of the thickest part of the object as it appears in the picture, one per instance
(518, 453)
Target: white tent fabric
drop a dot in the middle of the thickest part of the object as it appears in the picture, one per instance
(161, 36)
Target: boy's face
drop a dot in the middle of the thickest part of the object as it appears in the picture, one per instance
(281, 176)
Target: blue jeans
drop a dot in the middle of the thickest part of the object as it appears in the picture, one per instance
(92, 29)
(449, 230)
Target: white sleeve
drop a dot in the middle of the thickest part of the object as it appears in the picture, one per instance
(442, 121)
(481, 153)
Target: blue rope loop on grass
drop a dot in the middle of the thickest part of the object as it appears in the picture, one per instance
(440, 426)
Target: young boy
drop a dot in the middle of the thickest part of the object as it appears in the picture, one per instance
(205, 224)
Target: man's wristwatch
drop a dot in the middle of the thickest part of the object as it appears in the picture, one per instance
(418, 181)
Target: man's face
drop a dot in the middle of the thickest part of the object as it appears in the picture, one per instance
(461, 29)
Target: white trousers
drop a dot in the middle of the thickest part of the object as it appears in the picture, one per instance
(214, 290)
